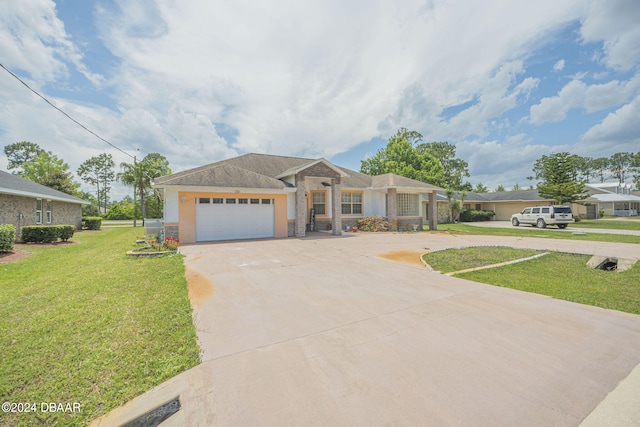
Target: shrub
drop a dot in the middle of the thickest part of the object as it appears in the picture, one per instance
(473, 215)
(601, 212)
(373, 223)
(66, 232)
(40, 233)
(91, 223)
(118, 211)
(7, 237)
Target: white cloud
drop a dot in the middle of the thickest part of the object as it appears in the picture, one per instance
(618, 131)
(505, 163)
(318, 79)
(559, 65)
(577, 94)
(34, 40)
(615, 24)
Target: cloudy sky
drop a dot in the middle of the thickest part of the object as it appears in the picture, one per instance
(202, 80)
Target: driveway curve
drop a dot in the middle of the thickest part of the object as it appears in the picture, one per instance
(323, 331)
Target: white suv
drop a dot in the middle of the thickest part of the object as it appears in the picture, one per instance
(541, 216)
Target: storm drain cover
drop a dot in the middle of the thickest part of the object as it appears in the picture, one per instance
(155, 416)
(609, 264)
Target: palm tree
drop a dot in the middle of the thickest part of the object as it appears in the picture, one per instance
(141, 174)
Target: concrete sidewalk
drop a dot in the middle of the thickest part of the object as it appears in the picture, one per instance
(322, 331)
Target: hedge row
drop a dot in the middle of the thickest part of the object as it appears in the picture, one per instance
(7, 237)
(91, 222)
(472, 215)
(46, 233)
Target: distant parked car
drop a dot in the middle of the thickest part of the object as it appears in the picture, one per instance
(541, 216)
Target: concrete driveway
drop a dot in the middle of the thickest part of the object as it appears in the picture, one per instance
(323, 331)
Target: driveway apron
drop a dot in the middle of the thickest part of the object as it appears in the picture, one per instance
(323, 331)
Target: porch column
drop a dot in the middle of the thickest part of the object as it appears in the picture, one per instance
(336, 206)
(301, 207)
(392, 209)
(433, 211)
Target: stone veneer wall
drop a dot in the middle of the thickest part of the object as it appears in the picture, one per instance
(406, 223)
(171, 231)
(61, 212)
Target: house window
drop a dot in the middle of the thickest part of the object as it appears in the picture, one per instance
(478, 207)
(48, 211)
(217, 200)
(351, 203)
(243, 201)
(230, 201)
(204, 200)
(266, 201)
(39, 211)
(407, 204)
(255, 201)
(318, 200)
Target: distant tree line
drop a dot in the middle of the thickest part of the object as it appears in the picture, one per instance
(561, 176)
(28, 160)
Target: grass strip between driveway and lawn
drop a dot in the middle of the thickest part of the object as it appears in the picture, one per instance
(611, 224)
(461, 259)
(558, 275)
(526, 231)
(83, 323)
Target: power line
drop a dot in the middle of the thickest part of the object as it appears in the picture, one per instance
(68, 116)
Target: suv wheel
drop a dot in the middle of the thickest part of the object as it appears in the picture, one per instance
(561, 226)
(540, 223)
(515, 222)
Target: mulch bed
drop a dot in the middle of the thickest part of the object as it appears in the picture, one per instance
(16, 255)
(18, 250)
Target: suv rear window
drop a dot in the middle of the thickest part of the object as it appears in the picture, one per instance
(562, 209)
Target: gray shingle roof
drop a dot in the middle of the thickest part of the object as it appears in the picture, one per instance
(224, 175)
(392, 180)
(13, 184)
(260, 171)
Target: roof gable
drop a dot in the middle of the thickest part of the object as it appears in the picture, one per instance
(265, 171)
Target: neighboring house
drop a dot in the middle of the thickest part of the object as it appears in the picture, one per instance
(615, 198)
(506, 203)
(261, 196)
(24, 202)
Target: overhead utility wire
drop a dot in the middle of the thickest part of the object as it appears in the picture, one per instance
(68, 116)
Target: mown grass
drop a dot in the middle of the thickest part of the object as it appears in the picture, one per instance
(85, 323)
(566, 276)
(607, 224)
(463, 229)
(461, 259)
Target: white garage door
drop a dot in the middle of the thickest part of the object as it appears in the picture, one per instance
(234, 218)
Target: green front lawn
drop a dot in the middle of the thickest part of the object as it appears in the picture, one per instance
(461, 259)
(83, 323)
(566, 276)
(608, 224)
(559, 275)
(526, 231)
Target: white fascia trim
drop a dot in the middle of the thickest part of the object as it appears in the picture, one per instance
(239, 190)
(41, 196)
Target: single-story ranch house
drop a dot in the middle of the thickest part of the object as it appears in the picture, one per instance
(506, 203)
(24, 202)
(260, 196)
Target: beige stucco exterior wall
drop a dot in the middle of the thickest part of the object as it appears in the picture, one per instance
(187, 212)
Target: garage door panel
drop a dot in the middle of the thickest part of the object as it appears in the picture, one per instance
(230, 221)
